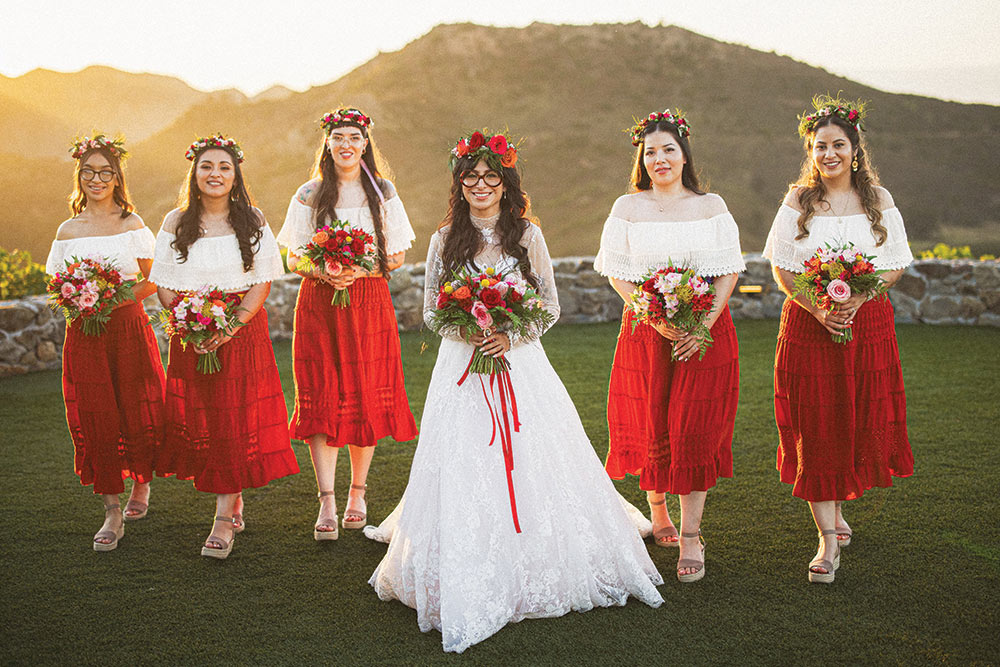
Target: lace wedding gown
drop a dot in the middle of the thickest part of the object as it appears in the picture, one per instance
(453, 554)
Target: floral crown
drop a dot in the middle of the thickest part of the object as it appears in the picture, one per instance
(665, 116)
(217, 141)
(344, 116)
(114, 146)
(496, 149)
(824, 105)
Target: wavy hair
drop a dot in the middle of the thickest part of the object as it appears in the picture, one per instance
(463, 240)
(245, 221)
(811, 189)
(640, 179)
(120, 195)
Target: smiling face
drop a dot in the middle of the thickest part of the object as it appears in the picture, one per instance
(97, 177)
(215, 173)
(663, 158)
(346, 144)
(482, 187)
(832, 151)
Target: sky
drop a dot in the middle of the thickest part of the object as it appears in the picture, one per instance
(943, 49)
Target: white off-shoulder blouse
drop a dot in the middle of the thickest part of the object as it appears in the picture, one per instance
(629, 250)
(300, 224)
(215, 261)
(123, 250)
(785, 252)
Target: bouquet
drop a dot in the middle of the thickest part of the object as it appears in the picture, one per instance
(89, 289)
(833, 275)
(197, 316)
(334, 247)
(678, 297)
(491, 302)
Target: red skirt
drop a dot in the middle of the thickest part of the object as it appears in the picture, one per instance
(840, 409)
(113, 388)
(227, 431)
(348, 372)
(671, 422)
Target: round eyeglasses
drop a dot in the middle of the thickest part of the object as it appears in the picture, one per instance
(470, 179)
(106, 175)
(341, 140)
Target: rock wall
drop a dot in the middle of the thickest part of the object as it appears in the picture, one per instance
(931, 291)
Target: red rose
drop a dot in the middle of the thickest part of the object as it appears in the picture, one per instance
(514, 297)
(466, 305)
(443, 299)
(358, 245)
(340, 235)
(498, 144)
(476, 141)
(491, 297)
(649, 286)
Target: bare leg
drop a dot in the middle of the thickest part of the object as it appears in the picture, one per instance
(660, 516)
(112, 518)
(324, 460)
(361, 461)
(692, 506)
(843, 528)
(138, 499)
(825, 515)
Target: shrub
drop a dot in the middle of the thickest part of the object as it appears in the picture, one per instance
(19, 276)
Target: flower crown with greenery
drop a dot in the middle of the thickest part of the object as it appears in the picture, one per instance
(115, 146)
(344, 116)
(216, 141)
(665, 116)
(498, 150)
(824, 105)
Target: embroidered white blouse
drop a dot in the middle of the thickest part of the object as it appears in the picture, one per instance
(785, 252)
(629, 250)
(300, 224)
(121, 249)
(215, 261)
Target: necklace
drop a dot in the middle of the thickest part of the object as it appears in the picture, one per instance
(846, 205)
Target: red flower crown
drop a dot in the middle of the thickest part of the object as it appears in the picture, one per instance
(666, 116)
(216, 141)
(344, 116)
(115, 146)
(498, 150)
(824, 105)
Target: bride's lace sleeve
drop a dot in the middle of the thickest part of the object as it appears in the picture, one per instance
(541, 267)
(432, 280)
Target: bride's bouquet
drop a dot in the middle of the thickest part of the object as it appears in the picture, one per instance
(492, 302)
(335, 247)
(88, 290)
(678, 297)
(197, 316)
(833, 275)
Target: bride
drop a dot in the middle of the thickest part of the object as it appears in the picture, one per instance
(454, 553)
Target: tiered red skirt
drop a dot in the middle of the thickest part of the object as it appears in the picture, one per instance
(227, 430)
(671, 422)
(840, 409)
(113, 388)
(348, 371)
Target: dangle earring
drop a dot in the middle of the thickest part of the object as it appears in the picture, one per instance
(854, 165)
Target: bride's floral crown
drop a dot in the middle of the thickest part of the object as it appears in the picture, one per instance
(114, 146)
(216, 141)
(824, 105)
(497, 149)
(666, 116)
(344, 116)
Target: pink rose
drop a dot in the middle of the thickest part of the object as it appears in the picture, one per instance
(67, 290)
(839, 291)
(333, 268)
(87, 299)
(482, 315)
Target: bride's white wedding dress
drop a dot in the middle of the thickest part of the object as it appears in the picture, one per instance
(453, 554)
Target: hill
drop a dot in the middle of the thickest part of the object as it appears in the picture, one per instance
(569, 91)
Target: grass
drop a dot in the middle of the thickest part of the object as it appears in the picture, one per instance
(918, 585)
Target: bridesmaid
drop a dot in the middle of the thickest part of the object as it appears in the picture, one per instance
(226, 431)
(671, 422)
(840, 409)
(348, 374)
(112, 383)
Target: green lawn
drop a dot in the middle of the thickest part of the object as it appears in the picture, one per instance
(918, 585)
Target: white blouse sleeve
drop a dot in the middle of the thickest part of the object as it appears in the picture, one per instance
(267, 265)
(399, 234)
(780, 247)
(299, 226)
(432, 282)
(541, 268)
(614, 257)
(143, 243)
(895, 252)
(56, 260)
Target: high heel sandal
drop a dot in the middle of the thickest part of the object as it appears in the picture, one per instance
(227, 545)
(360, 519)
(847, 540)
(322, 535)
(830, 566)
(113, 535)
(692, 564)
(660, 534)
(137, 507)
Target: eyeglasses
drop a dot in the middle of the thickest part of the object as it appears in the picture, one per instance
(340, 140)
(470, 179)
(106, 175)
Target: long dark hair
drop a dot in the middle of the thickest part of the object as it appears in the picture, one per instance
(325, 169)
(245, 221)
(811, 189)
(120, 195)
(464, 240)
(640, 179)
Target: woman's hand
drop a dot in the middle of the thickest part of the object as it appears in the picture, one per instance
(687, 347)
(496, 345)
(668, 331)
(835, 322)
(344, 279)
(212, 344)
(849, 307)
(477, 338)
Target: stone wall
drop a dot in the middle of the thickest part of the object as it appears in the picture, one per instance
(931, 291)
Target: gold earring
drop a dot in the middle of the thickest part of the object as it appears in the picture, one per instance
(854, 165)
